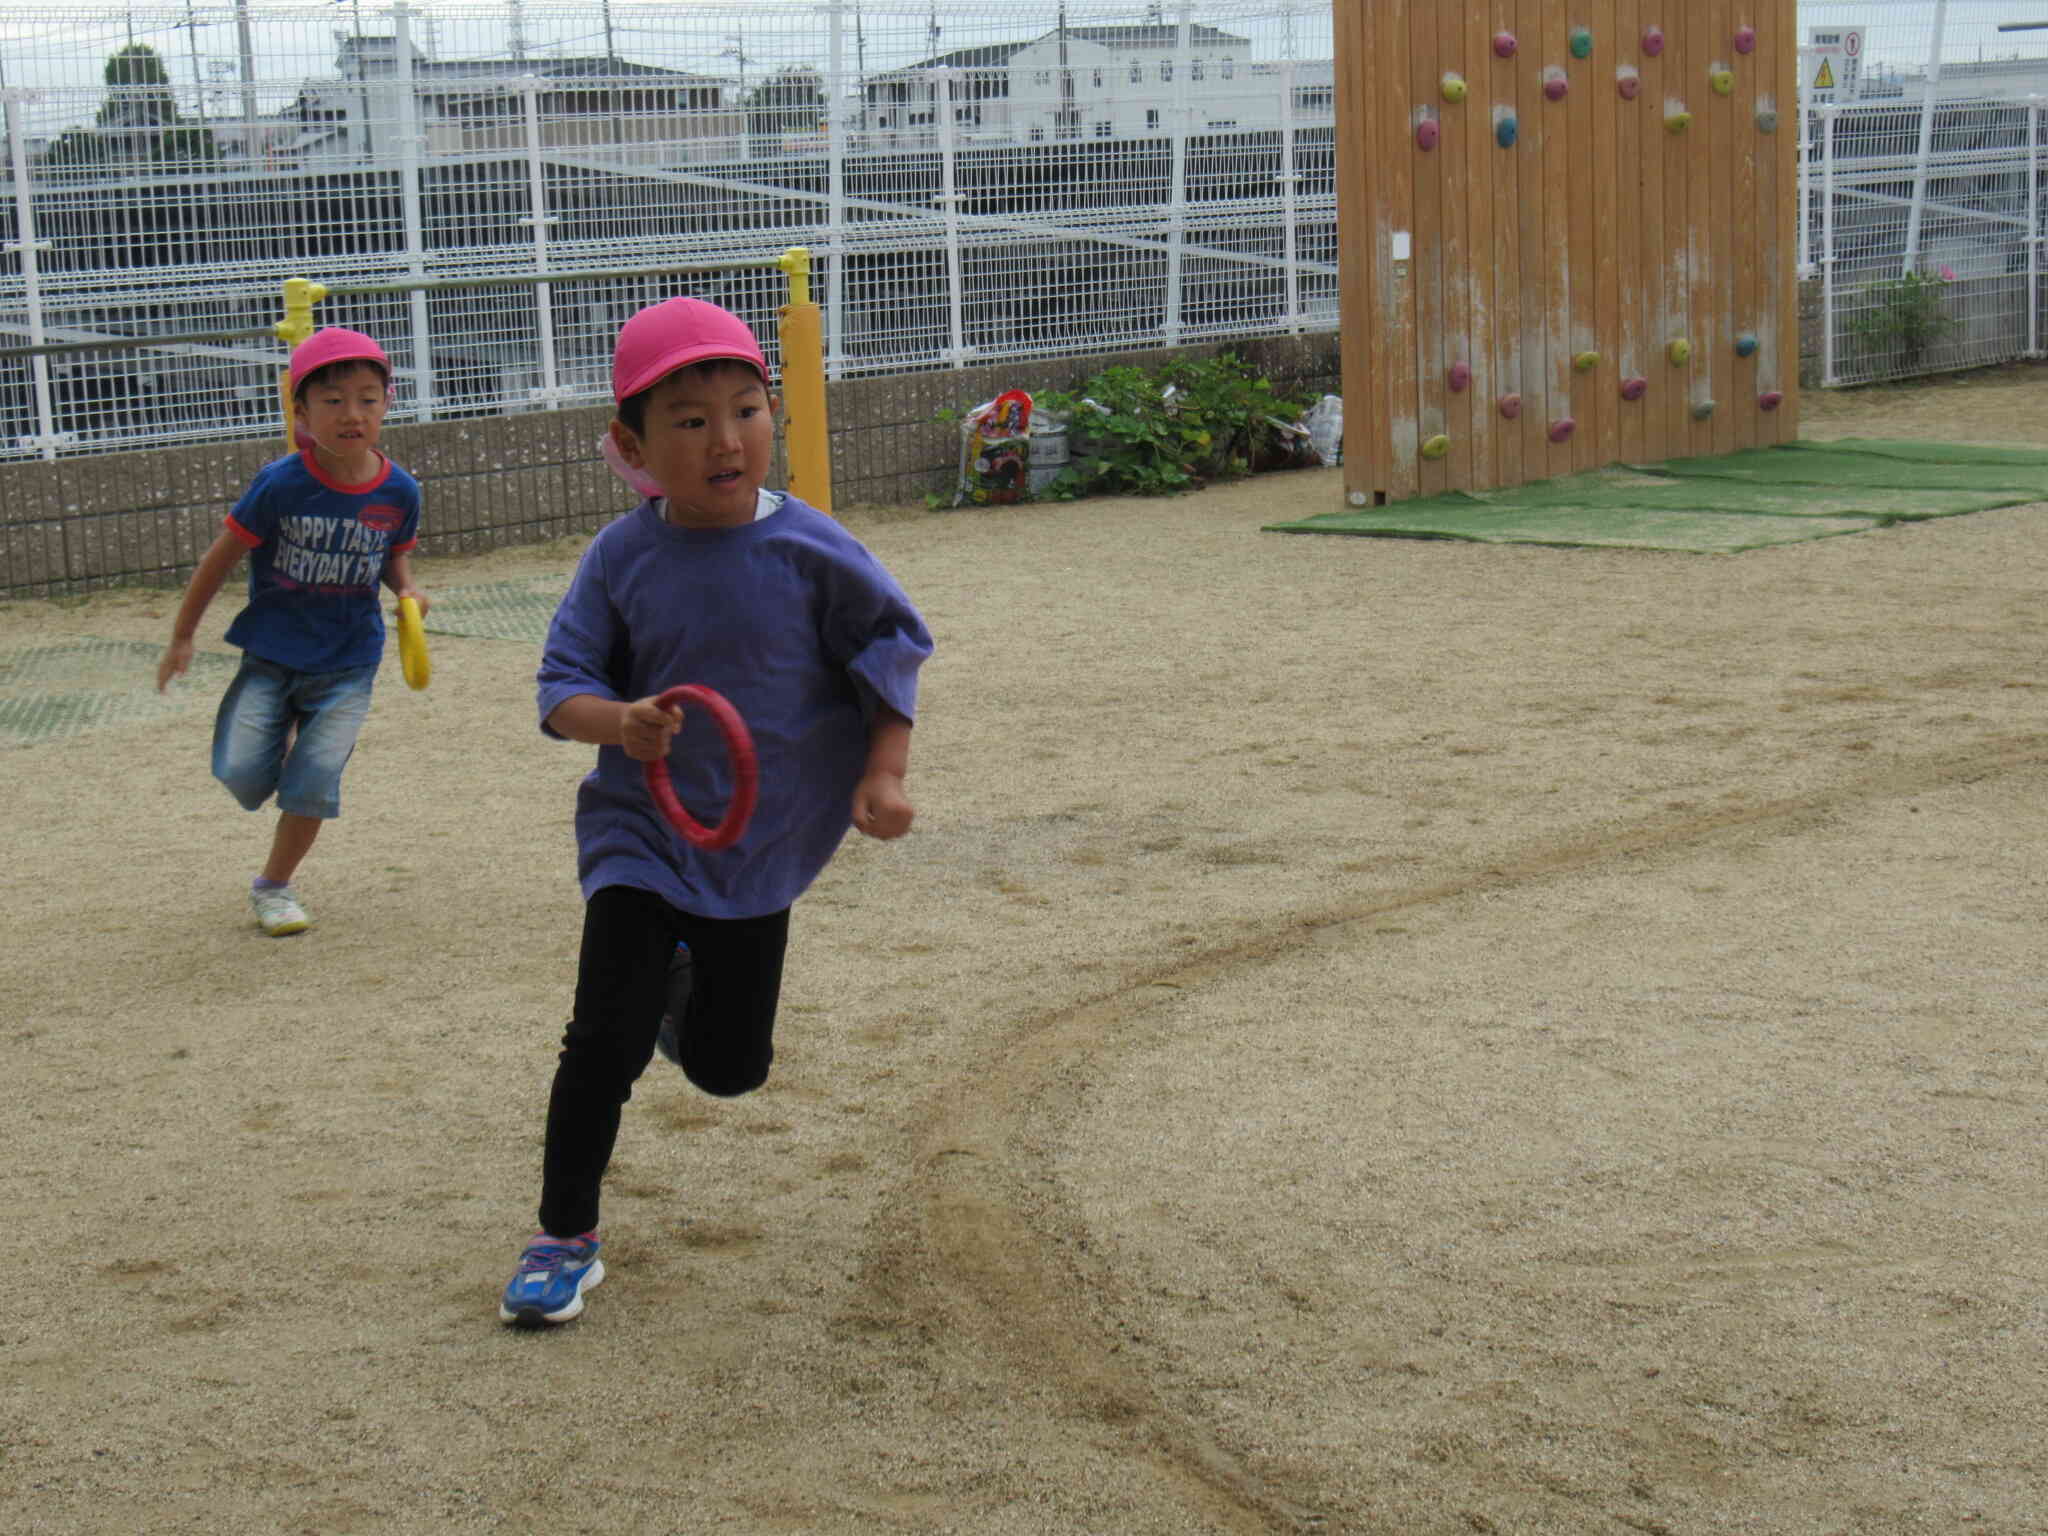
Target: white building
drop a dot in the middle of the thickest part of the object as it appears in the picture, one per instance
(1079, 83)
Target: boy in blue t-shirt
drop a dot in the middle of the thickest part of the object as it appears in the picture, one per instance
(322, 528)
(710, 580)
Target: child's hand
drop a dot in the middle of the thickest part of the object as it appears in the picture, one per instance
(880, 807)
(416, 595)
(646, 729)
(177, 657)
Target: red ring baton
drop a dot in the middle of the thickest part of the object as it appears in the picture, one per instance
(746, 772)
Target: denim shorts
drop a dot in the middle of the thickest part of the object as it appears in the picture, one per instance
(290, 734)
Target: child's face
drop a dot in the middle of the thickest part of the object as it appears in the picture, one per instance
(708, 437)
(344, 413)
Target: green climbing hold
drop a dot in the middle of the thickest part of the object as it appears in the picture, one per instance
(1582, 42)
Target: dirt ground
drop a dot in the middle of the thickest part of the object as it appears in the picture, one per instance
(1365, 1036)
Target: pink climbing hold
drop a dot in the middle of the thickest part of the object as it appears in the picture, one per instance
(1460, 378)
(1510, 406)
(1634, 389)
(1653, 41)
(1555, 84)
(1628, 81)
(1504, 45)
(1745, 39)
(1770, 400)
(1426, 133)
(1562, 429)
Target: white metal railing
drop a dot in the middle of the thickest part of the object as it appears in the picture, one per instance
(1048, 205)
(1920, 184)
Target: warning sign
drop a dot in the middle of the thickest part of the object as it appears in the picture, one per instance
(1833, 62)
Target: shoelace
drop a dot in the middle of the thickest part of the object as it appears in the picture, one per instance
(540, 1257)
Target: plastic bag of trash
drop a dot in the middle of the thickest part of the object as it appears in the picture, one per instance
(1324, 422)
(995, 451)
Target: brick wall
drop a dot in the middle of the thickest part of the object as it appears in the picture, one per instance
(144, 518)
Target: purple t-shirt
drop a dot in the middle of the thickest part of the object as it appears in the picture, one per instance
(317, 553)
(794, 621)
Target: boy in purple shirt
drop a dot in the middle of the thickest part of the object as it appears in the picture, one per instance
(714, 581)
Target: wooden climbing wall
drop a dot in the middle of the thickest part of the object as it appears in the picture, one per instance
(1567, 236)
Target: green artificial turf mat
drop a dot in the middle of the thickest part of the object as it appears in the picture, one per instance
(1721, 505)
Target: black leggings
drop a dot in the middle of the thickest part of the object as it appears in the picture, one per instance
(726, 1034)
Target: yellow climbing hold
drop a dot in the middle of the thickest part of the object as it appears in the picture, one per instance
(1436, 447)
(1680, 352)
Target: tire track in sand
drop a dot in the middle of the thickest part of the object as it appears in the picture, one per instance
(977, 1234)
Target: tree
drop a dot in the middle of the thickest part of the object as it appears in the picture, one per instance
(138, 121)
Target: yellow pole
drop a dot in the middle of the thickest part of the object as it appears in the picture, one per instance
(300, 295)
(802, 331)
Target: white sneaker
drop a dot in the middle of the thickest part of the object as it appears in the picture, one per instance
(278, 910)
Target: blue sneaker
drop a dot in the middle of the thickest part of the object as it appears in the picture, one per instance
(554, 1272)
(678, 999)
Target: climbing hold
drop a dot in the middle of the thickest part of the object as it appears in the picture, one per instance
(1510, 406)
(1770, 400)
(1634, 389)
(1629, 81)
(1723, 80)
(1555, 84)
(1745, 39)
(1703, 409)
(1506, 130)
(1454, 87)
(1504, 45)
(1676, 118)
(1582, 42)
(1436, 447)
(1767, 120)
(1586, 362)
(1562, 429)
(1459, 378)
(1680, 352)
(1653, 41)
(1745, 344)
(1426, 133)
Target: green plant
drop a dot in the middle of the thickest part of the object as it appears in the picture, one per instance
(1905, 317)
(1134, 431)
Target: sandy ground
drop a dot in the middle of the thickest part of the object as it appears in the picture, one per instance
(1366, 1036)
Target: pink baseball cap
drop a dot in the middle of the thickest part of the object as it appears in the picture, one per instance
(335, 345)
(674, 334)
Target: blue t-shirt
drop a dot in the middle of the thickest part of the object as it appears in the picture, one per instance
(317, 553)
(794, 621)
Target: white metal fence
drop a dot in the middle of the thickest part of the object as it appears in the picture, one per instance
(975, 183)
(1922, 182)
(1021, 181)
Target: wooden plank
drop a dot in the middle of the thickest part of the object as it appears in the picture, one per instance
(1630, 120)
(1360, 280)
(1431, 243)
(1699, 40)
(1475, 138)
(1525, 69)
(1493, 81)
(1595, 295)
(1387, 74)
(1780, 255)
(1558, 174)
(1730, 228)
(1676, 272)
(1747, 217)
(1657, 408)
(1453, 157)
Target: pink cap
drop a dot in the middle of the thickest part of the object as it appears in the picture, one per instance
(674, 334)
(335, 345)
